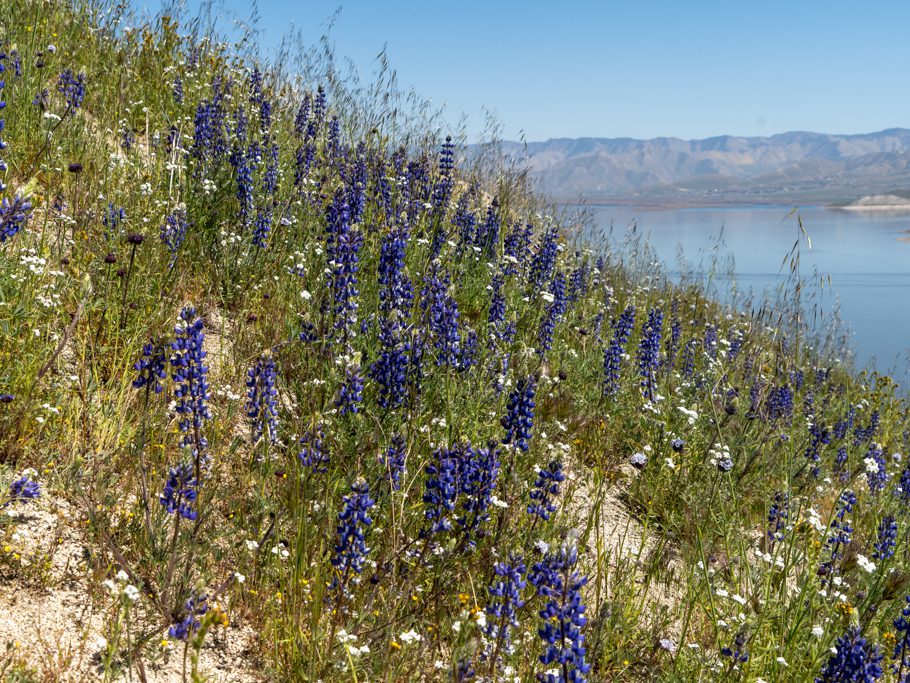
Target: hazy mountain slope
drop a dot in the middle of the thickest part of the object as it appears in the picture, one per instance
(794, 165)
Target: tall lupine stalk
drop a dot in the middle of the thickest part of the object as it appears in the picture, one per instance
(478, 472)
(649, 352)
(350, 541)
(343, 243)
(390, 370)
(853, 659)
(558, 581)
(14, 213)
(262, 399)
(558, 305)
(901, 653)
(519, 418)
(613, 354)
(505, 601)
(840, 536)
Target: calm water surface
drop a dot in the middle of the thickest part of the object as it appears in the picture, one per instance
(864, 254)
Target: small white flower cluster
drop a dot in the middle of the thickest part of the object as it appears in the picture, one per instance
(121, 586)
(767, 558)
(348, 640)
(34, 263)
(690, 414)
(719, 457)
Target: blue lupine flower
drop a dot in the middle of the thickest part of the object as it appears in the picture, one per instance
(464, 671)
(544, 259)
(319, 106)
(497, 311)
(357, 183)
(190, 375)
(467, 351)
(545, 490)
(343, 243)
(442, 314)
(876, 471)
(862, 434)
(304, 157)
(464, 220)
(840, 464)
(303, 115)
(127, 138)
(333, 138)
(841, 427)
(13, 216)
(886, 539)
(505, 601)
(841, 532)
(902, 646)
(209, 143)
(487, 237)
(180, 491)
(557, 580)
(649, 351)
(262, 226)
(350, 542)
(3, 144)
(903, 488)
(710, 341)
(394, 460)
(441, 491)
(613, 354)
(819, 436)
(72, 87)
(395, 291)
(177, 90)
(111, 219)
(688, 358)
(780, 403)
(314, 453)
(736, 340)
(552, 315)
(187, 627)
(778, 516)
(737, 651)
(515, 248)
(350, 393)
(270, 178)
(243, 163)
(854, 660)
(443, 188)
(173, 233)
(262, 398)
(151, 367)
(41, 99)
(478, 471)
(578, 281)
(390, 369)
(23, 489)
(519, 418)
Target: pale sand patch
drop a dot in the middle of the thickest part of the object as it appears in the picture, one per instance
(53, 618)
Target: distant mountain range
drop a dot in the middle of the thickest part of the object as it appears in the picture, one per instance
(797, 167)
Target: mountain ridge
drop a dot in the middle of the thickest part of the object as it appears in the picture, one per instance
(788, 166)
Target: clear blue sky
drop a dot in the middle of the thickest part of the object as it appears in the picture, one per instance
(640, 69)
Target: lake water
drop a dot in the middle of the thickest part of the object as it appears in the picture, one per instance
(864, 254)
